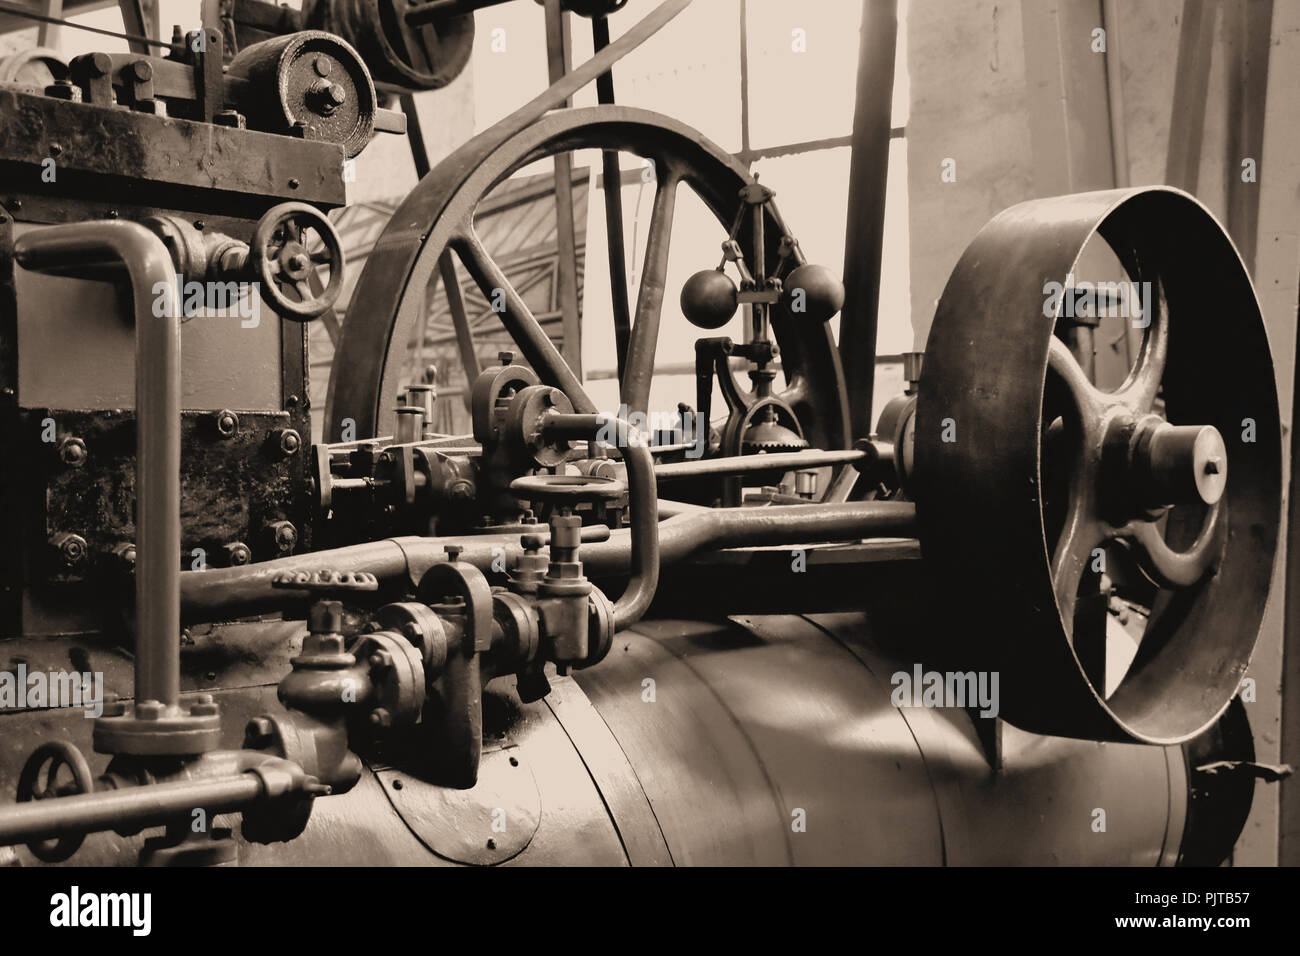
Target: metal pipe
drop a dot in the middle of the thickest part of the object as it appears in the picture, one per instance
(643, 503)
(735, 465)
(126, 809)
(85, 249)
(230, 592)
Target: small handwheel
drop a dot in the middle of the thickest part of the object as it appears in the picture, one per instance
(284, 260)
(1112, 569)
(567, 490)
(39, 780)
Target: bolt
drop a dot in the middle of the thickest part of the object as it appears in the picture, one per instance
(237, 554)
(380, 717)
(260, 732)
(507, 357)
(294, 184)
(232, 118)
(287, 440)
(64, 90)
(453, 551)
(297, 261)
(285, 535)
(227, 422)
(201, 709)
(142, 70)
(100, 64)
(149, 710)
(71, 548)
(125, 554)
(381, 660)
(322, 65)
(72, 451)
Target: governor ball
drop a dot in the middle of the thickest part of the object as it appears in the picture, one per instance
(813, 291)
(709, 299)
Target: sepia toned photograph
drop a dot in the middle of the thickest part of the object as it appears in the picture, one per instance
(648, 433)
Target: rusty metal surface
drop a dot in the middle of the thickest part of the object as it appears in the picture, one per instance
(159, 161)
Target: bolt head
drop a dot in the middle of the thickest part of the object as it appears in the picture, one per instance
(237, 554)
(289, 441)
(73, 453)
(149, 710)
(70, 547)
(506, 357)
(227, 422)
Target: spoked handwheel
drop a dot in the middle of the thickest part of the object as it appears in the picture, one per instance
(1031, 478)
(439, 215)
(55, 769)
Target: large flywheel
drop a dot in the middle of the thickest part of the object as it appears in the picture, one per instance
(438, 216)
(1055, 507)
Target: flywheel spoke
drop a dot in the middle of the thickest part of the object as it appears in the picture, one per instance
(518, 319)
(650, 298)
(1178, 569)
(1139, 390)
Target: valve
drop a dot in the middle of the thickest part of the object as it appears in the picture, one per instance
(39, 781)
(282, 263)
(563, 594)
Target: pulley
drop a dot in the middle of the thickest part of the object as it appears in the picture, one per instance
(310, 84)
(1044, 498)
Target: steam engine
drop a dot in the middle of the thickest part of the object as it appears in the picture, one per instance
(558, 639)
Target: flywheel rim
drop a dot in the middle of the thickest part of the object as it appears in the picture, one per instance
(429, 220)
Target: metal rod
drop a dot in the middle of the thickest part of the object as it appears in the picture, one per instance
(86, 248)
(786, 461)
(126, 809)
(613, 210)
(865, 230)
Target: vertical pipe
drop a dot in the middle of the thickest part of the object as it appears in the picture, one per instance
(85, 249)
(865, 230)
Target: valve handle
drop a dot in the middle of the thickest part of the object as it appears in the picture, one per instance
(567, 489)
(38, 781)
(284, 265)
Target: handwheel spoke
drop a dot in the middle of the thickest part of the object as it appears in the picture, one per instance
(1178, 569)
(1139, 390)
(650, 298)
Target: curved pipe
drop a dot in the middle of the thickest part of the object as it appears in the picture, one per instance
(88, 250)
(643, 502)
